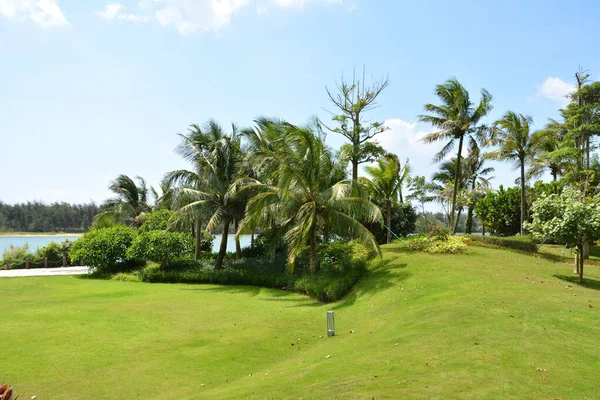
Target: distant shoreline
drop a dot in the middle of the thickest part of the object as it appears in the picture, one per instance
(40, 234)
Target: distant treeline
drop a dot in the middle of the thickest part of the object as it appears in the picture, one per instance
(39, 217)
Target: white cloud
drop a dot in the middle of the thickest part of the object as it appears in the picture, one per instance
(190, 16)
(404, 139)
(45, 13)
(111, 11)
(556, 89)
(116, 11)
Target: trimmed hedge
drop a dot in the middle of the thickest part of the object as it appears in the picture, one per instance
(520, 243)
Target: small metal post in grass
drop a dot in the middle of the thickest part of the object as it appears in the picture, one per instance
(330, 327)
(27, 263)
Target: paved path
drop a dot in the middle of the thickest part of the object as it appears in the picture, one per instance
(44, 271)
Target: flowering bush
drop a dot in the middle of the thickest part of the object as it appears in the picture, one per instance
(438, 240)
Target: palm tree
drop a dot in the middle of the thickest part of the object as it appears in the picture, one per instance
(387, 178)
(163, 200)
(212, 185)
(548, 154)
(300, 199)
(130, 203)
(476, 172)
(444, 189)
(456, 118)
(512, 134)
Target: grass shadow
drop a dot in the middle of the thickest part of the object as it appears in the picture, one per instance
(380, 277)
(252, 291)
(587, 283)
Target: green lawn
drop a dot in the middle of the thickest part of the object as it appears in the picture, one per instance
(473, 326)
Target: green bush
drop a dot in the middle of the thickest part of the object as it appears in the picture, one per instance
(520, 243)
(17, 256)
(55, 252)
(105, 249)
(161, 246)
(341, 265)
(438, 245)
(156, 221)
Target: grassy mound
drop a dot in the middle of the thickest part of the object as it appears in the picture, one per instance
(418, 325)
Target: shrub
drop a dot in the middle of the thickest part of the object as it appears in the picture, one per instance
(341, 266)
(438, 243)
(520, 243)
(161, 246)
(500, 212)
(17, 256)
(55, 252)
(106, 249)
(156, 221)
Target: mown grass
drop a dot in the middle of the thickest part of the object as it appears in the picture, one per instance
(418, 325)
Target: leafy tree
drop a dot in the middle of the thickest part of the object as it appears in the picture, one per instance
(130, 202)
(420, 191)
(402, 223)
(40, 217)
(352, 100)
(301, 201)
(499, 211)
(513, 136)
(387, 178)
(213, 183)
(161, 246)
(457, 119)
(568, 217)
(105, 248)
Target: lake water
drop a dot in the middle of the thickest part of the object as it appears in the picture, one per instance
(36, 242)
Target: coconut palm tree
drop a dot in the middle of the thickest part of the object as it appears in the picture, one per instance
(130, 202)
(163, 199)
(477, 181)
(548, 154)
(211, 187)
(300, 199)
(387, 178)
(513, 136)
(456, 119)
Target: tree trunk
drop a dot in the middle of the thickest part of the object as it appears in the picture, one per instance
(587, 152)
(586, 250)
(456, 183)
(326, 233)
(198, 232)
(312, 250)
(400, 194)
(354, 169)
(238, 247)
(576, 264)
(223, 247)
(389, 221)
(482, 229)
(252, 240)
(469, 222)
(581, 264)
(522, 195)
(454, 229)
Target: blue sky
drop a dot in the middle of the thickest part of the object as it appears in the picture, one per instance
(93, 89)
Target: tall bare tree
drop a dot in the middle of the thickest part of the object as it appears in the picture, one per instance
(352, 100)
